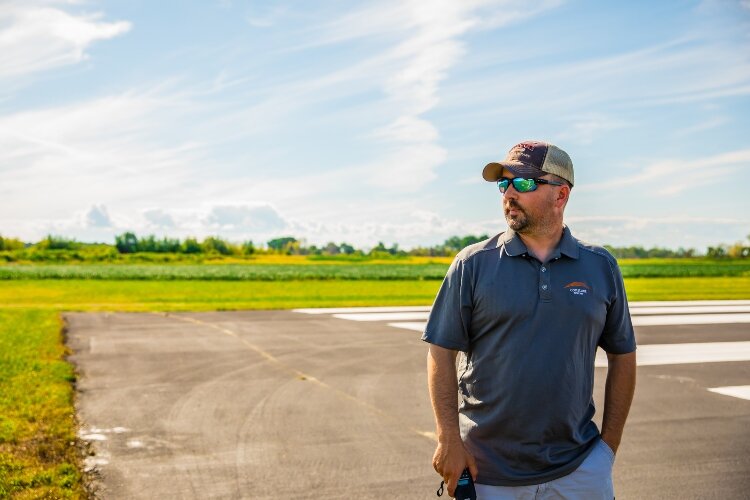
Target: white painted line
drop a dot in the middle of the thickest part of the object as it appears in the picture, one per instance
(417, 326)
(343, 310)
(691, 319)
(392, 316)
(646, 320)
(640, 311)
(688, 303)
(678, 354)
(737, 391)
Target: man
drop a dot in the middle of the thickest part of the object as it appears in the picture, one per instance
(528, 309)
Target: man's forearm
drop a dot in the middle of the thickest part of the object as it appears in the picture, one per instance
(618, 395)
(441, 379)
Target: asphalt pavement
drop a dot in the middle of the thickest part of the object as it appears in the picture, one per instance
(315, 404)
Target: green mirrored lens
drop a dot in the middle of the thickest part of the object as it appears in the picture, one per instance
(524, 185)
(503, 184)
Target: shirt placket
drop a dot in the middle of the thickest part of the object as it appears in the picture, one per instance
(545, 286)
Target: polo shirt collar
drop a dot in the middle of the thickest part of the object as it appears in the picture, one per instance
(514, 246)
(568, 244)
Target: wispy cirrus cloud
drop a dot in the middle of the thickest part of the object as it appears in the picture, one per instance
(672, 172)
(37, 36)
(423, 42)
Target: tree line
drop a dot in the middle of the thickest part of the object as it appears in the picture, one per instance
(130, 243)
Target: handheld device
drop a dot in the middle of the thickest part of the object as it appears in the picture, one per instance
(464, 489)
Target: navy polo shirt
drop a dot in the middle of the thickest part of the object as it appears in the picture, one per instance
(529, 331)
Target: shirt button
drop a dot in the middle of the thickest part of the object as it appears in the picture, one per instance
(544, 287)
(544, 269)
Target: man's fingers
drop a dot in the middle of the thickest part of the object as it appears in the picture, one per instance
(472, 465)
(451, 484)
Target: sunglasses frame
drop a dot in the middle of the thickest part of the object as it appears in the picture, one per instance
(512, 182)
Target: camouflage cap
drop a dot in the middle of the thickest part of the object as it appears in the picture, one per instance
(532, 159)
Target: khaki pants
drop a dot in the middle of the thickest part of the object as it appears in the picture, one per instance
(592, 480)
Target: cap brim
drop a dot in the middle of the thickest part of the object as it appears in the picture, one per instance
(492, 171)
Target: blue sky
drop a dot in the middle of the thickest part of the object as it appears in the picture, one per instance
(370, 121)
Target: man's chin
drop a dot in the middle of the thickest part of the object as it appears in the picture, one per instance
(515, 224)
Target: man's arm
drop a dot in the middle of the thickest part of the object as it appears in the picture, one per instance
(618, 395)
(450, 458)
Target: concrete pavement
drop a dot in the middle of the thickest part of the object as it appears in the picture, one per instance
(278, 404)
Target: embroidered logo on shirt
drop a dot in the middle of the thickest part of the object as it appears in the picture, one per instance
(578, 287)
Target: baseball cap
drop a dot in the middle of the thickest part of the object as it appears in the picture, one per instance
(532, 159)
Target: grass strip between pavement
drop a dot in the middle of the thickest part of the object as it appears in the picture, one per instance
(38, 456)
(37, 422)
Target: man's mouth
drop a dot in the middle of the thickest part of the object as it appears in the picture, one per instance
(512, 209)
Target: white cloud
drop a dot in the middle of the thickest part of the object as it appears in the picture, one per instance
(427, 45)
(676, 173)
(97, 216)
(584, 129)
(701, 126)
(35, 37)
(101, 149)
(662, 231)
(159, 218)
(262, 218)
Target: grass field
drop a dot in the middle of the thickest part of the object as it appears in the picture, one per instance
(105, 295)
(292, 268)
(38, 457)
(37, 423)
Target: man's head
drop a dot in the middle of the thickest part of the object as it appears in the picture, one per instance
(535, 179)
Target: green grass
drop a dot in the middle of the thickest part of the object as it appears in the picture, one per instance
(36, 397)
(227, 272)
(38, 458)
(105, 295)
(306, 268)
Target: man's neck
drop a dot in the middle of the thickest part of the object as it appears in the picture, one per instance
(542, 244)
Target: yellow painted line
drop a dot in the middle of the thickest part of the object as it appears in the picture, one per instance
(297, 373)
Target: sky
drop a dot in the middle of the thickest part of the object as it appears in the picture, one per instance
(370, 121)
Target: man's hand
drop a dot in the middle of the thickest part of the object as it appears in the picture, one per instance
(618, 394)
(450, 460)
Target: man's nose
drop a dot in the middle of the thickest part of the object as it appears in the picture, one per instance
(510, 193)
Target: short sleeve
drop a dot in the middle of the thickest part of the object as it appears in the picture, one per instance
(618, 336)
(450, 318)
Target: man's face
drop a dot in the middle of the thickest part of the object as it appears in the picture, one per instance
(527, 212)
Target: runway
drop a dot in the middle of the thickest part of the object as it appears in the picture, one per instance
(328, 404)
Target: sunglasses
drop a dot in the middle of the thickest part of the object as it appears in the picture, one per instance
(522, 184)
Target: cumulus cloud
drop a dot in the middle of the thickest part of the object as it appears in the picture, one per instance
(159, 218)
(261, 218)
(36, 37)
(97, 216)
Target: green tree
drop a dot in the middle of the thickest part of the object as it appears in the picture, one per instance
(10, 244)
(191, 246)
(286, 245)
(58, 243)
(216, 245)
(248, 248)
(126, 243)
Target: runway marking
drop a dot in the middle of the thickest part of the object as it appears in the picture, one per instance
(410, 318)
(642, 313)
(733, 308)
(690, 319)
(736, 391)
(341, 310)
(678, 354)
(384, 316)
(417, 326)
(293, 371)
